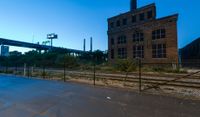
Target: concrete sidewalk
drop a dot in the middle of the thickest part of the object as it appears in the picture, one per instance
(21, 97)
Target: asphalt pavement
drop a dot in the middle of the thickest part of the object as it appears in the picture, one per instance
(24, 97)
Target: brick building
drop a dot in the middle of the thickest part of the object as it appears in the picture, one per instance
(139, 34)
(190, 54)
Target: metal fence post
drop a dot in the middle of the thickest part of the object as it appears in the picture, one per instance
(28, 71)
(94, 74)
(32, 71)
(16, 69)
(43, 73)
(140, 75)
(64, 73)
(24, 69)
(6, 68)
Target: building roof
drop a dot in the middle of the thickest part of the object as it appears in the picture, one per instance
(169, 16)
(137, 10)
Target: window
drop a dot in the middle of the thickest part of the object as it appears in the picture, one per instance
(142, 17)
(112, 41)
(118, 23)
(121, 40)
(159, 51)
(149, 14)
(138, 37)
(112, 54)
(138, 51)
(134, 19)
(112, 25)
(122, 53)
(163, 33)
(125, 21)
(158, 34)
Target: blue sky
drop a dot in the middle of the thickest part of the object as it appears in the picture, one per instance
(74, 20)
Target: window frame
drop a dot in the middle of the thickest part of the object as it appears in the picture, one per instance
(138, 51)
(142, 16)
(118, 23)
(112, 25)
(134, 18)
(125, 20)
(150, 14)
(138, 37)
(122, 53)
(112, 41)
(159, 51)
(112, 55)
(159, 34)
(122, 39)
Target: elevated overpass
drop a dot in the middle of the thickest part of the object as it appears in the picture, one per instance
(9, 42)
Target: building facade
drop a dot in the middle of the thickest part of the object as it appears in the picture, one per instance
(4, 50)
(139, 34)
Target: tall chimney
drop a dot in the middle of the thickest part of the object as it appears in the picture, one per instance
(91, 42)
(84, 42)
(133, 5)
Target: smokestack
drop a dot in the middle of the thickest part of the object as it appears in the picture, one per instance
(133, 5)
(84, 42)
(91, 42)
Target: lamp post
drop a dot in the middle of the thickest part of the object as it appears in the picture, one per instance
(51, 37)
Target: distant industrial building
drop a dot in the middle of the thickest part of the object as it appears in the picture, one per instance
(139, 34)
(4, 50)
(190, 53)
(15, 53)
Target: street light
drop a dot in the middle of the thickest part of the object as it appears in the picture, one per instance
(51, 37)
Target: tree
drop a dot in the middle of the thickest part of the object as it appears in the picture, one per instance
(67, 61)
(99, 57)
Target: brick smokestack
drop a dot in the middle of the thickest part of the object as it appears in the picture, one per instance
(91, 44)
(84, 47)
(133, 5)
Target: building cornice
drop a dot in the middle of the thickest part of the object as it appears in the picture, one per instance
(134, 11)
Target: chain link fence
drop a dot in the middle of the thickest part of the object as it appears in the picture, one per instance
(142, 76)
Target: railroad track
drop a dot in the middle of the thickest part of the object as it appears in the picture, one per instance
(149, 81)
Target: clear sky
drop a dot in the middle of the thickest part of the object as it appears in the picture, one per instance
(74, 20)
